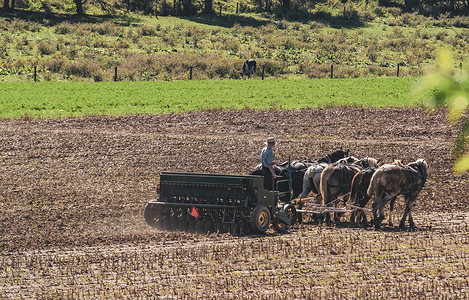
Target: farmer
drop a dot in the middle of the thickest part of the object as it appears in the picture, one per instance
(267, 161)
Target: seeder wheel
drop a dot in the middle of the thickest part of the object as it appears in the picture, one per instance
(153, 215)
(260, 219)
(281, 226)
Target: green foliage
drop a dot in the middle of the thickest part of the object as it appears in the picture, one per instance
(364, 46)
(63, 99)
(449, 87)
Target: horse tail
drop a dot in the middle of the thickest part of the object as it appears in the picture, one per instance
(325, 175)
(374, 183)
(353, 198)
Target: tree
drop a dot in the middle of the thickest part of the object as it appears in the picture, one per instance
(411, 4)
(187, 7)
(79, 4)
(208, 7)
(450, 89)
(285, 6)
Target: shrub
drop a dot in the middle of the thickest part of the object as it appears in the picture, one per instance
(461, 21)
(53, 65)
(315, 70)
(46, 47)
(3, 49)
(441, 35)
(366, 15)
(106, 28)
(315, 25)
(81, 68)
(64, 28)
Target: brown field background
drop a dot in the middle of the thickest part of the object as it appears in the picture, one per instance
(73, 191)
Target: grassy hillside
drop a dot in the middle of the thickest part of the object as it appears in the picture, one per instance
(366, 41)
(63, 99)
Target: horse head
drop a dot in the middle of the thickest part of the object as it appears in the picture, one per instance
(334, 156)
(422, 167)
(368, 162)
(347, 160)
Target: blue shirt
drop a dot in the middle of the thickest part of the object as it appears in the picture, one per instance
(267, 156)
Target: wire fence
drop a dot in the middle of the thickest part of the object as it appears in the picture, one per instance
(37, 73)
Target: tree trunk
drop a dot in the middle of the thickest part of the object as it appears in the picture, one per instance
(187, 7)
(208, 7)
(285, 6)
(411, 4)
(12, 5)
(6, 4)
(79, 5)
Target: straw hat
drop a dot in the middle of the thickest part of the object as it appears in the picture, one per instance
(271, 140)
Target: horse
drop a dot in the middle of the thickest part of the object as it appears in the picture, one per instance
(312, 175)
(298, 170)
(336, 178)
(333, 157)
(312, 178)
(358, 192)
(358, 188)
(391, 180)
(249, 67)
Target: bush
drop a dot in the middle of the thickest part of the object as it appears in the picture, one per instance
(64, 28)
(366, 15)
(461, 21)
(46, 47)
(53, 65)
(82, 68)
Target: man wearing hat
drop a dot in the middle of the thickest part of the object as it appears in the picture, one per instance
(267, 161)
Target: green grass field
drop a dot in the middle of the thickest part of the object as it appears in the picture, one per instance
(65, 99)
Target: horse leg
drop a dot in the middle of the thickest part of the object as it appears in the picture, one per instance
(410, 199)
(381, 214)
(362, 217)
(391, 208)
(411, 220)
(377, 204)
(353, 217)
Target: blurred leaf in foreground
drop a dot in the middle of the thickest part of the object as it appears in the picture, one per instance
(448, 87)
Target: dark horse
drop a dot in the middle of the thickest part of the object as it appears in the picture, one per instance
(298, 169)
(249, 67)
(359, 186)
(336, 179)
(392, 180)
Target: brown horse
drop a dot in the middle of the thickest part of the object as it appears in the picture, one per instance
(392, 180)
(336, 179)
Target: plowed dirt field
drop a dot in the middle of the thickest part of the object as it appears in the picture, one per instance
(73, 191)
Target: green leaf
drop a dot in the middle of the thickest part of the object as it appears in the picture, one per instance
(462, 165)
(457, 107)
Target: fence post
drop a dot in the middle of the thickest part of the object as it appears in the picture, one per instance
(35, 73)
(115, 73)
(398, 69)
(263, 69)
(332, 71)
(190, 74)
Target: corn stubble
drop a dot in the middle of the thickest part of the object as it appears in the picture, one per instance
(73, 193)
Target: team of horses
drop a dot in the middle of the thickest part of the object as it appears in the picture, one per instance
(357, 181)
